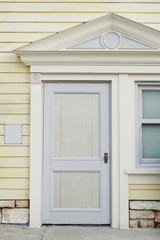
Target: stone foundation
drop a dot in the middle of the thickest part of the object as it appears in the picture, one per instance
(144, 214)
(14, 211)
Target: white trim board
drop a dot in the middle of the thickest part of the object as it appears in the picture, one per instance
(97, 69)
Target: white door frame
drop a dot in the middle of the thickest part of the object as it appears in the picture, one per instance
(120, 82)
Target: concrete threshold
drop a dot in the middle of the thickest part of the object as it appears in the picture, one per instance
(51, 232)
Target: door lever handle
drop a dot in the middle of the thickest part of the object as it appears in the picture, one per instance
(106, 158)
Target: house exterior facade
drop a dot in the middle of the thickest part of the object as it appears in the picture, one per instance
(79, 113)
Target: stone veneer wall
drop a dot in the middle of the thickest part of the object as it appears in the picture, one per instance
(144, 214)
(14, 211)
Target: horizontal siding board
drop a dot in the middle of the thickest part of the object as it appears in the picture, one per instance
(35, 27)
(9, 58)
(144, 179)
(14, 162)
(14, 77)
(79, 7)
(9, 47)
(25, 141)
(14, 194)
(39, 27)
(83, 1)
(14, 183)
(14, 108)
(13, 67)
(155, 26)
(71, 17)
(1, 129)
(14, 172)
(144, 191)
(14, 119)
(23, 37)
(1, 141)
(15, 88)
(49, 17)
(144, 186)
(144, 194)
(26, 130)
(18, 150)
(15, 98)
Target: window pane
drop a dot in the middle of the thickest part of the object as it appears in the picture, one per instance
(151, 141)
(151, 104)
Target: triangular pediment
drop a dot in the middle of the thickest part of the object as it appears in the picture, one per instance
(132, 35)
(111, 40)
(125, 42)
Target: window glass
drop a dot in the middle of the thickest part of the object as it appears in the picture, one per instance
(151, 104)
(151, 141)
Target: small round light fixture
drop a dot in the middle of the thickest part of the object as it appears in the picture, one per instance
(111, 40)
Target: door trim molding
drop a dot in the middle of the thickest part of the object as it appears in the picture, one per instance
(119, 199)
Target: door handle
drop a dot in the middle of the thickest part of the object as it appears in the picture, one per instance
(106, 158)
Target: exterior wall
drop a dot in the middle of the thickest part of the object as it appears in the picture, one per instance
(144, 214)
(22, 22)
(144, 191)
(14, 211)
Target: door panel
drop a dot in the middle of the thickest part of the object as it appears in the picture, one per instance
(76, 125)
(76, 190)
(76, 135)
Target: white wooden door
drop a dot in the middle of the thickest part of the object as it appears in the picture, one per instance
(76, 136)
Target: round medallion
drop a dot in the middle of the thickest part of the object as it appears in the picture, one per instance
(111, 40)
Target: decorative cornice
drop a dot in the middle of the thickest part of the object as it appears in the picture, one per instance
(94, 58)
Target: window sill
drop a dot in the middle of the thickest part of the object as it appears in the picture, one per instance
(142, 171)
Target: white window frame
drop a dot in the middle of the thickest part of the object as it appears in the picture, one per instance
(144, 162)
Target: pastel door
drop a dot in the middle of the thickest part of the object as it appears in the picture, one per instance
(76, 135)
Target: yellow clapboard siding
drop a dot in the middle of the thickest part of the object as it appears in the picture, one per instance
(2, 140)
(35, 27)
(144, 194)
(18, 150)
(25, 141)
(142, 18)
(71, 17)
(79, 7)
(15, 88)
(1, 129)
(14, 172)
(144, 186)
(9, 57)
(14, 108)
(26, 130)
(23, 37)
(132, 1)
(6, 162)
(14, 194)
(14, 183)
(15, 98)
(156, 26)
(9, 47)
(48, 17)
(13, 67)
(14, 119)
(144, 191)
(14, 77)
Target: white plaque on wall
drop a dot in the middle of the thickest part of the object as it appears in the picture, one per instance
(13, 134)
